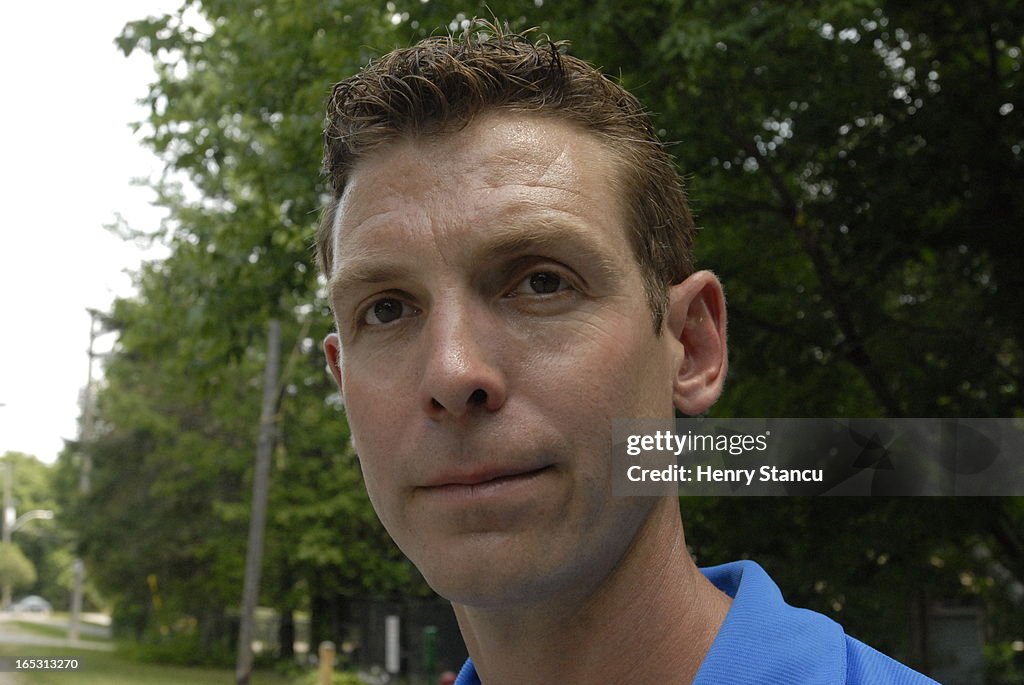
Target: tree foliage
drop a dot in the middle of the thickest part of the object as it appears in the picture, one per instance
(15, 567)
(45, 543)
(856, 168)
(235, 111)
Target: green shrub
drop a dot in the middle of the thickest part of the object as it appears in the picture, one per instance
(178, 649)
(1004, 665)
(313, 678)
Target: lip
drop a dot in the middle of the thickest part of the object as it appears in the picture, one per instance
(481, 475)
(483, 483)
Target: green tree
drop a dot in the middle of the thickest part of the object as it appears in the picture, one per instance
(177, 417)
(15, 567)
(42, 541)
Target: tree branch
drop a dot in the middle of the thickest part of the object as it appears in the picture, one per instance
(854, 350)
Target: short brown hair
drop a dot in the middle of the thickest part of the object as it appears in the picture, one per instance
(441, 83)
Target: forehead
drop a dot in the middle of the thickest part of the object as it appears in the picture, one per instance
(504, 164)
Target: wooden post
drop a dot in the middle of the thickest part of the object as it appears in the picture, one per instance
(327, 651)
(260, 486)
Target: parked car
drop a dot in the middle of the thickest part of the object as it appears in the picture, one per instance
(33, 604)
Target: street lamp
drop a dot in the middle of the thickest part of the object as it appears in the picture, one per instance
(44, 514)
(13, 525)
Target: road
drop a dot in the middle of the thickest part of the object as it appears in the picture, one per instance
(92, 625)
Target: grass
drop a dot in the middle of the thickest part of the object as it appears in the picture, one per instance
(105, 668)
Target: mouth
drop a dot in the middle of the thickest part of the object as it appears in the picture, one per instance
(469, 486)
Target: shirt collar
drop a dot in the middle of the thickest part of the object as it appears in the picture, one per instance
(468, 676)
(764, 640)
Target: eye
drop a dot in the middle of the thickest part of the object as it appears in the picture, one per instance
(386, 310)
(541, 283)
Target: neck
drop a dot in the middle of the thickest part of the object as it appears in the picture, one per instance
(652, 619)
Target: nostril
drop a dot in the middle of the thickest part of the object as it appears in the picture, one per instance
(435, 404)
(478, 397)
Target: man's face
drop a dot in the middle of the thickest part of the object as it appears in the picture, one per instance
(492, 322)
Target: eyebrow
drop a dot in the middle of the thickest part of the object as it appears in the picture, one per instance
(370, 268)
(506, 236)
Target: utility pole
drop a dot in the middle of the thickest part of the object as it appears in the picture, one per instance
(85, 475)
(257, 521)
(84, 480)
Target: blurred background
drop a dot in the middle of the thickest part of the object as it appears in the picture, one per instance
(856, 170)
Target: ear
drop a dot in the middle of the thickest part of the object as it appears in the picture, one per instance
(695, 324)
(332, 350)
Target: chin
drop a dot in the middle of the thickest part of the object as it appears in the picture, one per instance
(483, 577)
(490, 590)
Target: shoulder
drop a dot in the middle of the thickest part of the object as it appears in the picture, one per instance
(865, 665)
(767, 641)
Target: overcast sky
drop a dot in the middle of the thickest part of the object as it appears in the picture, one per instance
(67, 157)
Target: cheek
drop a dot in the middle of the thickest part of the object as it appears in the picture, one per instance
(375, 405)
(602, 370)
(376, 419)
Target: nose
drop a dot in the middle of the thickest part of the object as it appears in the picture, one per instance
(461, 370)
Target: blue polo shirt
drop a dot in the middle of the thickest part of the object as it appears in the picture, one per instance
(765, 641)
